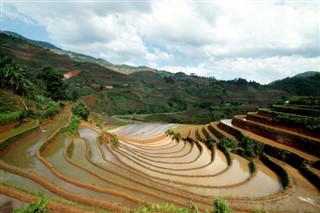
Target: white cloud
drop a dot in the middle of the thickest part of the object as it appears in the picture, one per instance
(260, 41)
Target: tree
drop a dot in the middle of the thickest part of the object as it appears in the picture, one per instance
(13, 77)
(74, 95)
(82, 110)
(54, 84)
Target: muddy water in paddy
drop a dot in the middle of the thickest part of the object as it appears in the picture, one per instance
(22, 182)
(195, 161)
(27, 160)
(143, 131)
(79, 156)
(56, 158)
(266, 182)
(163, 144)
(220, 181)
(189, 154)
(171, 151)
(237, 173)
(27, 146)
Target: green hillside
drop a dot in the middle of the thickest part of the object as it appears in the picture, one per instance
(306, 83)
(151, 92)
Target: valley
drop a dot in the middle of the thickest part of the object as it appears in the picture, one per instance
(80, 134)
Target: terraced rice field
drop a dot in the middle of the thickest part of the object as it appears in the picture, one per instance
(147, 166)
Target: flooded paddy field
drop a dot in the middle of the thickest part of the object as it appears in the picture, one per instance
(145, 166)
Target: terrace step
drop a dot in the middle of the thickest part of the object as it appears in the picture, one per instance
(256, 116)
(11, 130)
(218, 132)
(200, 135)
(196, 160)
(208, 133)
(209, 180)
(270, 142)
(181, 158)
(305, 143)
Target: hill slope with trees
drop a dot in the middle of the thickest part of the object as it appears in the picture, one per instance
(163, 95)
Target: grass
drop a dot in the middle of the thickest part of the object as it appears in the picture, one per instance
(164, 208)
(73, 127)
(56, 199)
(18, 129)
(39, 207)
(12, 116)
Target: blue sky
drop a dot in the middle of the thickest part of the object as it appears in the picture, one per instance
(257, 40)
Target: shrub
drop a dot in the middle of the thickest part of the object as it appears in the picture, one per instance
(52, 109)
(221, 206)
(115, 140)
(177, 136)
(251, 147)
(169, 132)
(252, 167)
(211, 143)
(73, 127)
(82, 110)
(226, 152)
(228, 143)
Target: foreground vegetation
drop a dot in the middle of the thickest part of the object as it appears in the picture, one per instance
(23, 95)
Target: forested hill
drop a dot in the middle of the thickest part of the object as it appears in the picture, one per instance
(307, 83)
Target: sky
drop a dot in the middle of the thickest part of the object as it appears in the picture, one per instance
(260, 41)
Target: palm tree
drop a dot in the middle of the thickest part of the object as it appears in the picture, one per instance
(13, 77)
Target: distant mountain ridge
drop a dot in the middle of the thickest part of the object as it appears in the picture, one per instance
(299, 75)
(122, 68)
(42, 44)
(306, 74)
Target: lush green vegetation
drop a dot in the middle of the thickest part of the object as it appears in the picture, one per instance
(162, 208)
(252, 167)
(225, 144)
(52, 79)
(23, 96)
(300, 86)
(169, 132)
(115, 140)
(177, 136)
(305, 100)
(12, 116)
(311, 124)
(39, 207)
(221, 206)
(278, 169)
(73, 126)
(13, 77)
(82, 110)
(249, 147)
(296, 110)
